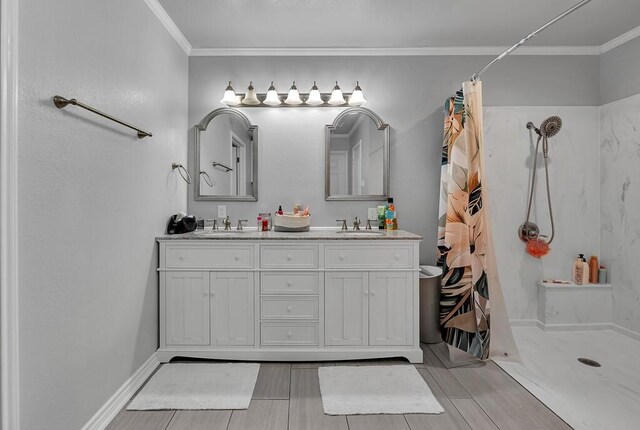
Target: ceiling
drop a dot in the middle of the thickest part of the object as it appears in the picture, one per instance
(397, 23)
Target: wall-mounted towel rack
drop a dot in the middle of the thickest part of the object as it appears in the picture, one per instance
(61, 102)
(182, 170)
(216, 164)
(206, 178)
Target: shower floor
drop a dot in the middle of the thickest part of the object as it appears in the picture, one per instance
(601, 398)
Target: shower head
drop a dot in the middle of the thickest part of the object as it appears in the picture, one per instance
(551, 126)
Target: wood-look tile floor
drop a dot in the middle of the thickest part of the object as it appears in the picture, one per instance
(287, 397)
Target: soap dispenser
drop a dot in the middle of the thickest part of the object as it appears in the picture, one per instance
(581, 271)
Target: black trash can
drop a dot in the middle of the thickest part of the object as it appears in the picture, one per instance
(430, 304)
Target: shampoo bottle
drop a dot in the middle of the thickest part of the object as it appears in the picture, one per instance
(593, 269)
(391, 220)
(581, 271)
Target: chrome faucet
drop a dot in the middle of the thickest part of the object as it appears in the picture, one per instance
(356, 224)
(227, 223)
(344, 223)
(368, 227)
(240, 221)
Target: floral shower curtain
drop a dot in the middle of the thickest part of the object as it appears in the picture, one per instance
(473, 316)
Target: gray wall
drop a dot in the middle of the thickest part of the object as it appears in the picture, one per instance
(620, 72)
(92, 197)
(407, 92)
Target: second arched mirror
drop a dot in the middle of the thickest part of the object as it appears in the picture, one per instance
(226, 148)
(357, 156)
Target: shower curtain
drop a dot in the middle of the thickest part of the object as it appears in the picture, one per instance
(473, 315)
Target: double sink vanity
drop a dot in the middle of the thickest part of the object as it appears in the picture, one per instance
(312, 296)
(305, 296)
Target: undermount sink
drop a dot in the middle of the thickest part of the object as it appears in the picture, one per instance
(361, 232)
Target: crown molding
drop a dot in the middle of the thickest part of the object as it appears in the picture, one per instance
(9, 322)
(418, 51)
(622, 39)
(168, 23)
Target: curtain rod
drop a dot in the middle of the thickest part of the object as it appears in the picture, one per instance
(475, 77)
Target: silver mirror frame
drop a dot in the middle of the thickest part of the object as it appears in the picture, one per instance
(385, 173)
(253, 131)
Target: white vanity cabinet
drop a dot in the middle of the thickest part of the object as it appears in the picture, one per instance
(265, 296)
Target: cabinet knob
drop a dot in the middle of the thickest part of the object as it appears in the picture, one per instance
(289, 308)
(180, 257)
(396, 256)
(365, 292)
(341, 257)
(289, 283)
(213, 294)
(373, 293)
(289, 257)
(289, 334)
(236, 257)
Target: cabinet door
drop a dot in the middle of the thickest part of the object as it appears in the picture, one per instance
(187, 308)
(346, 308)
(391, 308)
(232, 315)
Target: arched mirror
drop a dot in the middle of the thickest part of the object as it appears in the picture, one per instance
(357, 156)
(226, 157)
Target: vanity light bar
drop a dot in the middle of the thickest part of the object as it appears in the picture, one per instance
(293, 98)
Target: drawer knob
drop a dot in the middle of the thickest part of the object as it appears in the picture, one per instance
(289, 257)
(236, 257)
(289, 308)
(180, 257)
(289, 334)
(341, 257)
(396, 256)
(289, 283)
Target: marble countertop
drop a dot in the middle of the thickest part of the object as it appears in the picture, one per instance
(328, 234)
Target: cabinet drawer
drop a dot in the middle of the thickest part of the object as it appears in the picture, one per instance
(289, 283)
(204, 256)
(289, 256)
(289, 334)
(371, 257)
(274, 307)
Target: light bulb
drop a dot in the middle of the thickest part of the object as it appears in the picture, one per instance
(251, 98)
(272, 98)
(336, 96)
(357, 98)
(229, 97)
(314, 98)
(293, 98)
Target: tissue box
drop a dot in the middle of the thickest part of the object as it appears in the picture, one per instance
(290, 222)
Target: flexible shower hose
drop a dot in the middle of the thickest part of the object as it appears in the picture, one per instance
(533, 185)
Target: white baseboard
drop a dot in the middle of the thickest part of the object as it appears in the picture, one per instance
(625, 331)
(575, 327)
(110, 409)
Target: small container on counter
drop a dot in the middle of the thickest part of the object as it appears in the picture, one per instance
(266, 221)
(602, 275)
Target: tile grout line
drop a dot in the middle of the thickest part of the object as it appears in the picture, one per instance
(172, 417)
(527, 390)
(289, 400)
(463, 387)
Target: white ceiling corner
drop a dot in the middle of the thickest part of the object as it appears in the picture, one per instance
(209, 29)
(169, 24)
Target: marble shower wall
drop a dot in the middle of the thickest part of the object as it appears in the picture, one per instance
(620, 205)
(575, 188)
